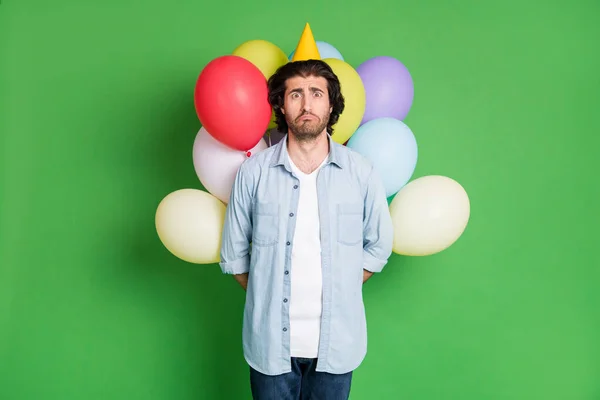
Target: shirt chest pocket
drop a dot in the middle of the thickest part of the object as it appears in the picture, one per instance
(350, 223)
(265, 230)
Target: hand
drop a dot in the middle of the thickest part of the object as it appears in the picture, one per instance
(366, 275)
(242, 279)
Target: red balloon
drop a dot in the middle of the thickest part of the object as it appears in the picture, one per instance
(231, 100)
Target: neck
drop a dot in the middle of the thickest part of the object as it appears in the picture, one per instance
(308, 155)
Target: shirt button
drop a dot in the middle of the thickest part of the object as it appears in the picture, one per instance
(291, 214)
(285, 300)
(288, 243)
(287, 272)
(285, 329)
(295, 186)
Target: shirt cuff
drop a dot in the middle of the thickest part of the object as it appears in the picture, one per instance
(372, 264)
(235, 267)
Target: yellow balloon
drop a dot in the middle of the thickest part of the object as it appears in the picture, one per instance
(429, 214)
(266, 56)
(354, 94)
(189, 223)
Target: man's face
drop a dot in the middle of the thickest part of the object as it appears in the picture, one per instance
(306, 106)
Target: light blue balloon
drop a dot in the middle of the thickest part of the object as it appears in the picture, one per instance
(392, 148)
(325, 51)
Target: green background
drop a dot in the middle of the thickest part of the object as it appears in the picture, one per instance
(97, 124)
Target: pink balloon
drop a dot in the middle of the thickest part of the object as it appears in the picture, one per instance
(217, 164)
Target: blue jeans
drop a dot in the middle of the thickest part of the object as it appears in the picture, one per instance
(303, 383)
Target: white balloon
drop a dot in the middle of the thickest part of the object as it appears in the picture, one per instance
(429, 214)
(189, 223)
(273, 136)
(217, 164)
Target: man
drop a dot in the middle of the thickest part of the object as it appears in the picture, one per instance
(306, 225)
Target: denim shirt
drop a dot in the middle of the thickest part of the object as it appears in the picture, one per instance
(258, 235)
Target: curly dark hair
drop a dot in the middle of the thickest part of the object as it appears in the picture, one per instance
(305, 68)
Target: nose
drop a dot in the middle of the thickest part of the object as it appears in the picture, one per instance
(307, 104)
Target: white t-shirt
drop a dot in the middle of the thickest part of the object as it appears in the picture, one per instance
(306, 277)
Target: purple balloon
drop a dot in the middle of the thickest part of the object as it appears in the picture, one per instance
(388, 86)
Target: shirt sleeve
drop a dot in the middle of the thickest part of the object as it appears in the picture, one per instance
(237, 227)
(378, 226)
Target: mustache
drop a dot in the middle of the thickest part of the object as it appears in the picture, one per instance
(306, 113)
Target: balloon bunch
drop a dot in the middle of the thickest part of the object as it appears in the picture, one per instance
(230, 97)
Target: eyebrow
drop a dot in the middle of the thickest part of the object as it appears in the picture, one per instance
(312, 89)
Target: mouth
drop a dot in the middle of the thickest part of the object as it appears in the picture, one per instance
(307, 117)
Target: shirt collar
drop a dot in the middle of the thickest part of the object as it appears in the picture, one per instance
(280, 155)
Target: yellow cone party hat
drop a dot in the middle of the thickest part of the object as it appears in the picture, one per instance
(307, 47)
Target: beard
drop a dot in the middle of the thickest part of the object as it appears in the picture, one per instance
(308, 130)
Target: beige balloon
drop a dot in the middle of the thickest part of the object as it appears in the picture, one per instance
(429, 214)
(189, 223)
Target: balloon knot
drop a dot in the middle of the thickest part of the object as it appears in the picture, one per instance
(248, 154)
